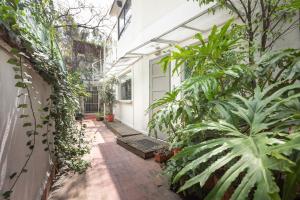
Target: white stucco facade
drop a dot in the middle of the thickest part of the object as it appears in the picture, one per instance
(13, 138)
(158, 19)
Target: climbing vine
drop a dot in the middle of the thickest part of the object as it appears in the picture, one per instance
(30, 25)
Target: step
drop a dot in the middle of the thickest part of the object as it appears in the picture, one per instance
(120, 129)
(141, 145)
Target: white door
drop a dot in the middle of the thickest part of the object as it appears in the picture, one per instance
(159, 84)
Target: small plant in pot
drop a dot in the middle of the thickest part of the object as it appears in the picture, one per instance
(79, 116)
(109, 117)
(162, 155)
(108, 96)
(99, 116)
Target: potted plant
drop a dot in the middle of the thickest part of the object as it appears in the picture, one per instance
(109, 117)
(108, 96)
(79, 116)
(99, 116)
(162, 155)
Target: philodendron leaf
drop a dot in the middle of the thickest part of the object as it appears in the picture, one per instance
(13, 175)
(255, 152)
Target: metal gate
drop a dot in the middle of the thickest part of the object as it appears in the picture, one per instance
(91, 102)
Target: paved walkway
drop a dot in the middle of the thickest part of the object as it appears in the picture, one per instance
(115, 174)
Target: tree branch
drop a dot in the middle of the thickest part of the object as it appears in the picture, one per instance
(235, 10)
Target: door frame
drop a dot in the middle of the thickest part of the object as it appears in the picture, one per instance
(151, 61)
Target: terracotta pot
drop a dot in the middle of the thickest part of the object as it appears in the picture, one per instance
(160, 158)
(176, 151)
(109, 118)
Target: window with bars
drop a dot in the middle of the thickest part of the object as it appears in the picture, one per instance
(126, 87)
(124, 18)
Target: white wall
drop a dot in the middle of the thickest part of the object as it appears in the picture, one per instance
(134, 113)
(141, 94)
(124, 112)
(13, 139)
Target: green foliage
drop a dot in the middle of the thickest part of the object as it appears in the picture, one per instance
(294, 4)
(292, 181)
(215, 75)
(30, 24)
(263, 21)
(237, 119)
(279, 66)
(257, 146)
(107, 93)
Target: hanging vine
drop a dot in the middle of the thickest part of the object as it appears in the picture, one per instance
(30, 24)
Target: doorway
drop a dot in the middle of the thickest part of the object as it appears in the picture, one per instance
(91, 102)
(160, 83)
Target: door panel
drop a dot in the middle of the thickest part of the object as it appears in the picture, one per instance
(159, 85)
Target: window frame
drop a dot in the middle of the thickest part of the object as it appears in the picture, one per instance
(124, 20)
(129, 80)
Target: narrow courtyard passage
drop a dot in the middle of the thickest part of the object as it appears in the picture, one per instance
(115, 173)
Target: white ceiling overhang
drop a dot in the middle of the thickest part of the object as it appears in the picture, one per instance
(201, 23)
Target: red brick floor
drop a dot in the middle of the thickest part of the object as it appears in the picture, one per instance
(115, 174)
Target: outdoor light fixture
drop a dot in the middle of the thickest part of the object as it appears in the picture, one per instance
(158, 51)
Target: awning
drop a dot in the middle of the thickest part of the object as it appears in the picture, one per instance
(201, 23)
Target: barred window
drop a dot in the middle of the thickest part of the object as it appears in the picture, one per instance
(125, 87)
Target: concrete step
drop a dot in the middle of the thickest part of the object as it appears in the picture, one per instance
(141, 145)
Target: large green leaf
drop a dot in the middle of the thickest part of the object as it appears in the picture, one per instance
(256, 151)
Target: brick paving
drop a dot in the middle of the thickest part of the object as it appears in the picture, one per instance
(115, 174)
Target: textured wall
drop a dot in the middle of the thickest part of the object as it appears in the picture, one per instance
(13, 138)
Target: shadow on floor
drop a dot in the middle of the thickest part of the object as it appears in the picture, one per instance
(115, 174)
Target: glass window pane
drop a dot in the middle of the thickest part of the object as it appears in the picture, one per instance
(125, 86)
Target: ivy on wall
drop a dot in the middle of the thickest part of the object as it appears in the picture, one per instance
(28, 28)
